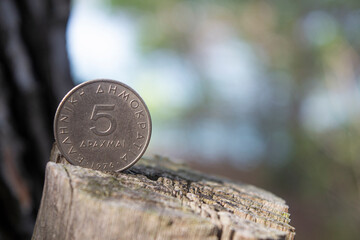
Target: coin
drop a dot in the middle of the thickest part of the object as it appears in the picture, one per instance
(102, 124)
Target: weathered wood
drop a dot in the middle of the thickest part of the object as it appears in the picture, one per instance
(155, 199)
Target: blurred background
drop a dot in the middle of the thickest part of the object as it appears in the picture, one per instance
(264, 92)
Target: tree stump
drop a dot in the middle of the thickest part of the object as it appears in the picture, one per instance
(155, 199)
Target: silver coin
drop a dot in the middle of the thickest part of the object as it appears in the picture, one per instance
(102, 124)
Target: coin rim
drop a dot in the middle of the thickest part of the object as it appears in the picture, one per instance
(57, 113)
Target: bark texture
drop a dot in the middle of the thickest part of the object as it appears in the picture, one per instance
(155, 199)
(34, 76)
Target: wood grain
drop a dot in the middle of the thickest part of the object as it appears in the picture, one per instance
(155, 199)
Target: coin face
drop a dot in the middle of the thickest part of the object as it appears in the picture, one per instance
(102, 124)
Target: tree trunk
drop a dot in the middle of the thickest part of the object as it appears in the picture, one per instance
(34, 76)
(155, 199)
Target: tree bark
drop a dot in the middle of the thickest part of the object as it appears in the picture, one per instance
(155, 199)
(34, 75)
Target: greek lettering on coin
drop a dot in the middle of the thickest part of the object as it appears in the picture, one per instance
(102, 124)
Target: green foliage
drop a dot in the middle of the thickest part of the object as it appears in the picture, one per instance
(316, 43)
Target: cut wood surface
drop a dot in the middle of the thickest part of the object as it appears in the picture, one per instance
(155, 199)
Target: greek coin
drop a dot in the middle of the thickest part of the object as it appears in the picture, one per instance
(102, 124)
